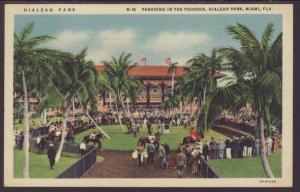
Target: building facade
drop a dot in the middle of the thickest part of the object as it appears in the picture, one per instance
(157, 82)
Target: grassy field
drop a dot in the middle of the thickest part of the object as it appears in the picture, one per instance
(122, 141)
(246, 167)
(39, 165)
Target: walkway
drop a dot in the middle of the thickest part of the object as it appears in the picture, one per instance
(118, 164)
(229, 131)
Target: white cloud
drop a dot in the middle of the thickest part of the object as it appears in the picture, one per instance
(68, 38)
(112, 43)
(176, 42)
(116, 39)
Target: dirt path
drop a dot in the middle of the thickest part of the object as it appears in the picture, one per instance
(118, 164)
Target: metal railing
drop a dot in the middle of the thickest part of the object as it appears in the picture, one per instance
(206, 171)
(69, 149)
(39, 131)
(43, 131)
(79, 168)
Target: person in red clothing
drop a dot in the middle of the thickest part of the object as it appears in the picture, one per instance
(276, 143)
(194, 134)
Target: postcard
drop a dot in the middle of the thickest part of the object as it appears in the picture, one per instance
(148, 95)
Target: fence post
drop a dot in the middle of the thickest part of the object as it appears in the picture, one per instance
(90, 161)
(74, 171)
(83, 159)
(206, 170)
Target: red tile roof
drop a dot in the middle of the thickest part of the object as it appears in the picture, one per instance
(155, 71)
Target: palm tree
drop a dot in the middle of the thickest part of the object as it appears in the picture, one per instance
(117, 71)
(43, 88)
(170, 102)
(104, 85)
(27, 55)
(132, 86)
(172, 69)
(184, 91)
(75, 78)
(257, 67)
(88, 73)
(201, 78)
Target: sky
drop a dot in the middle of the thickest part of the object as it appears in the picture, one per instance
(154, 37)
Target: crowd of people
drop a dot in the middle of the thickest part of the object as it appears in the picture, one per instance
(244, 121)
(189, 154)
(149, 151)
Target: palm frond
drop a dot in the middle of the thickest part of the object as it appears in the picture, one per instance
(267, 36)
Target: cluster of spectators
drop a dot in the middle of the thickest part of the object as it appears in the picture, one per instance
(243, 125)
(190, 155)
(19, 139)
(238, 147)
(149, 151)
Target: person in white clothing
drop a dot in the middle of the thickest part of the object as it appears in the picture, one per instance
(269, 143)
(82, 147)
(243, 140)
(228, 148)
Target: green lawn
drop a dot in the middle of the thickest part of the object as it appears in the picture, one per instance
(122, 141)
(39, 165)
(99, 159)
(246, 167)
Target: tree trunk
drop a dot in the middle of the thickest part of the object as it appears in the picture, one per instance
(110, 106)
(181, 107)
(87, 114)
(123, 105)
(204, 95)
(173, 74)
(117, 108)
(198, 112)
(26, 130)
(263, 155)
(62, 141)
(44, 116)
(73, 105)
(128, 109)
(105, 134)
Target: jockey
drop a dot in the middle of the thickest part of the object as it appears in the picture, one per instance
(194, 134)
(93, 134)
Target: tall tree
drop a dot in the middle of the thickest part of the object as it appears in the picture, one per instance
(172, 69)
(170, 102)
(201, 79)
(117, 71)
(257, 67)
(133, 85)
(76, 77)
(28, 54)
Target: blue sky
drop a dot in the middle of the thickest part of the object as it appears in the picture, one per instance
(155, 37)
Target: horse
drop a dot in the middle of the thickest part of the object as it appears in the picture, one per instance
(143, 141)
(157, 136)
(97, 139)
(187, 140)
(129, 125)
